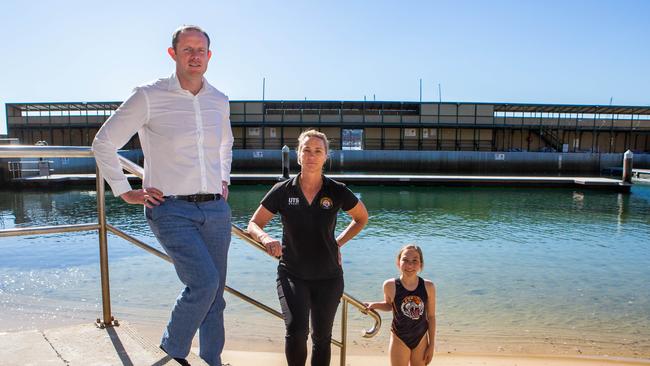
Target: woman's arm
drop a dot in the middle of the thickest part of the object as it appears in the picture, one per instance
(260, 218)
(431, 318)
(359, 216)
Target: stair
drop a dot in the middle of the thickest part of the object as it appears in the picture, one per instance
(86, 345)
(549, 137)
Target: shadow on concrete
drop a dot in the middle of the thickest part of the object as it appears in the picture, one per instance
(119, 347)
(163, 361)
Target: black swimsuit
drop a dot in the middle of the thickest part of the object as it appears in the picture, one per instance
(410, 322)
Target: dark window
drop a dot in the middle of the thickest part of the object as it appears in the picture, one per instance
(352, 139)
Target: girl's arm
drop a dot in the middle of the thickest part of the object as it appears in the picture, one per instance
(389, 294)
(359, 216)
(431, 318)
(260, 218)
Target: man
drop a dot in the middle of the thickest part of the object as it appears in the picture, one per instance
(184, 128)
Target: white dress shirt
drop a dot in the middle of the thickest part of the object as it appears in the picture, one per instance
(186, 139)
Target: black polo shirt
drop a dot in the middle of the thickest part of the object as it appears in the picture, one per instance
(309, 249)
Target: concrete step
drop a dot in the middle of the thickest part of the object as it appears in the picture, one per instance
(89, 345)
(84, 345)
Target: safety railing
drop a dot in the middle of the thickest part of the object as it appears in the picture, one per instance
(103, 228)
(22, 168)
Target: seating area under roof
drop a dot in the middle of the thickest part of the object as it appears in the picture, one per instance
(568, 108)
(64, 106)
(272, 107)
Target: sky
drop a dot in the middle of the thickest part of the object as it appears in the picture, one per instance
(523, 51)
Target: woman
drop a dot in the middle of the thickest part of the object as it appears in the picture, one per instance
(310, 276)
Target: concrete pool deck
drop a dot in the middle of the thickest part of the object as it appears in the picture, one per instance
(88, 344)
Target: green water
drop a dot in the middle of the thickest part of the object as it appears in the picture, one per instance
(506, 261)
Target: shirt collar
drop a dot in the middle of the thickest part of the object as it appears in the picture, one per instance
(175, 85)
(294, 182)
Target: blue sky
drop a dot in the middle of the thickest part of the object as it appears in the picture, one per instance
(570, 52)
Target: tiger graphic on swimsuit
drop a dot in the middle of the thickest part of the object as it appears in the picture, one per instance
(412, 307)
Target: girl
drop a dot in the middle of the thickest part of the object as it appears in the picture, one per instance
(413, 302)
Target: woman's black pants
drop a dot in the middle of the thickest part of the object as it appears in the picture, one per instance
(298, 298)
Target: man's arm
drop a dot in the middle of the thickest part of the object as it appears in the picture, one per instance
(149, 197)
(226, 151)
(114, 134)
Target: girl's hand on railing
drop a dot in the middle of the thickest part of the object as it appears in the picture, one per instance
(369, 306)
(383, 306)
(149, 197)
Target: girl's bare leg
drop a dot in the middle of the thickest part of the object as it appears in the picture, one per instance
(399, 352)
(417, 355)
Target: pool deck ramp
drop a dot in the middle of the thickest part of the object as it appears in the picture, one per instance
(384, 179)
(90, 345)
(84, 344)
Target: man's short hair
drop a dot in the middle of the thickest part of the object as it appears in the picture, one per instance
(185, 28)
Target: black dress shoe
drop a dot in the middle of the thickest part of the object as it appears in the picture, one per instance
(181, 361)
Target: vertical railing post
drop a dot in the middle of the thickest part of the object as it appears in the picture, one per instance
(344, 331)
(103, 251)
(627, 167)
(285, 162)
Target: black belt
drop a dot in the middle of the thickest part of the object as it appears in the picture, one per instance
(198, 197)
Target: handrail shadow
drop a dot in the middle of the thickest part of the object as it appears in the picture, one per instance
(119, 347)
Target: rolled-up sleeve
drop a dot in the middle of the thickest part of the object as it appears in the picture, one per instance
(114, 134)
(227, 140)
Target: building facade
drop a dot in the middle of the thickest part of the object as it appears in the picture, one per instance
(374, 125)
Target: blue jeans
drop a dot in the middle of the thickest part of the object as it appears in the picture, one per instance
(197, 237)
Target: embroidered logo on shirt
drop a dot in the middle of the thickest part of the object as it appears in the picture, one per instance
(412, 307)
(326, 203)
(294, 201)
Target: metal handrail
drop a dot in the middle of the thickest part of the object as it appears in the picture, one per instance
(42, 230)
(346, 297)
(103, 228)
(28, 151)
(165, 257)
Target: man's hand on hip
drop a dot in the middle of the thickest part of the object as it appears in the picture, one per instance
(149, 197)
(224, 190)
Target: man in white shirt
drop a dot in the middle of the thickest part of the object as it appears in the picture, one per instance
(184, 128)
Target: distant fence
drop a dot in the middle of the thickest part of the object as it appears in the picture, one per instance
(399, 161)
(446, 162)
